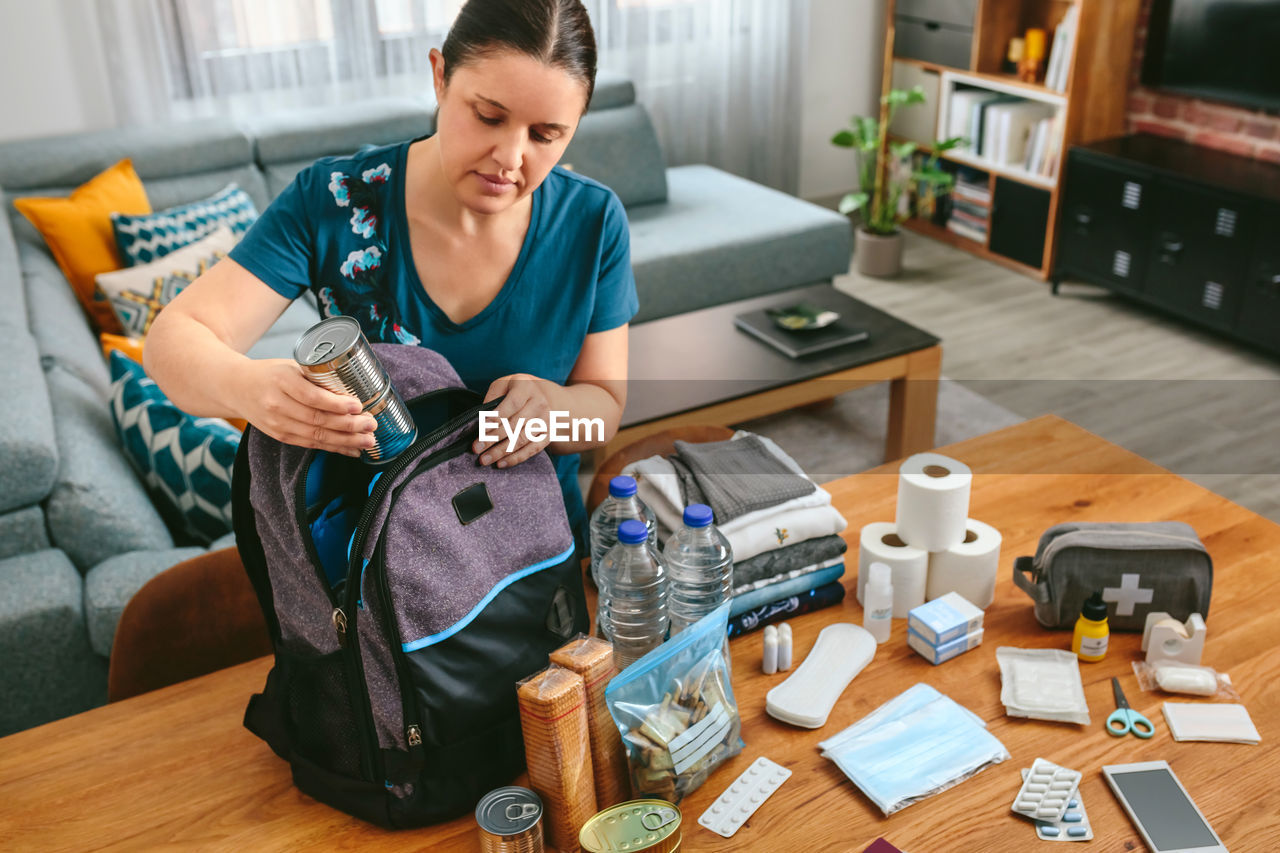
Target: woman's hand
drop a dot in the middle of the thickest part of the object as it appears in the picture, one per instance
(525, 397)
(279, 400)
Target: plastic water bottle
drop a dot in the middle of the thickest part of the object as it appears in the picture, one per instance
(621, 504)
(700, 563)
(633, 595)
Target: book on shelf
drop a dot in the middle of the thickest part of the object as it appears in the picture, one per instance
(1052, 148)
(1059, 64)
(957, 227)
(970, 208)
(977, 223)
(1008, 130)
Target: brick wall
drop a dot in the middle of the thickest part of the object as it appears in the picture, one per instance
(1240, 131)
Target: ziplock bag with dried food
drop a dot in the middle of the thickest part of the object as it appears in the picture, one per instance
(675, 710)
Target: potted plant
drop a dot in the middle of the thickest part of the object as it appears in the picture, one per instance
(879, 241)
(930, 183)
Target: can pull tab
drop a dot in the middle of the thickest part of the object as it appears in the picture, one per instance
(656, 819)
(516, 811)
(322, 350)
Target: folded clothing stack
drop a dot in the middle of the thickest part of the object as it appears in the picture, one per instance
(782, 526)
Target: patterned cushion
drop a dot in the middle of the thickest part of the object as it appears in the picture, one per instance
(186, 462)
(143, 239)
(138, 293)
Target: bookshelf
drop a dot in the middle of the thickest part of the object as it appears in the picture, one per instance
(1013, 177)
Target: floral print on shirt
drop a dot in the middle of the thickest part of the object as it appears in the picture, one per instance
(363, 293)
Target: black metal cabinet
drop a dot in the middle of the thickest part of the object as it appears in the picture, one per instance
(1200, 248)
(1259, 317)
(1103, 232)
(1192, 231)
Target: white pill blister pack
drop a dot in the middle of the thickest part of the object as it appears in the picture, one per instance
(1046, 791)
(741, 799)
(1074, 825)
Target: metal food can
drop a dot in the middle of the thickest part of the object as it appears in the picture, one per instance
(637, 826)
(510, 821)
(335, 355)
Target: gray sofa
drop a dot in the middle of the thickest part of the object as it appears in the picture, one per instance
(78, 532)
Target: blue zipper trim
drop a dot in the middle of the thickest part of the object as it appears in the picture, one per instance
(484, 602)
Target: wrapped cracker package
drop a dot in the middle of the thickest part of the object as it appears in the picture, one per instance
(553, 717)
(592, 658)
(675, 710)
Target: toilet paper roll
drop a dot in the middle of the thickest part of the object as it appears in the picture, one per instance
(933, 501)
(968, 568)
(880, 543)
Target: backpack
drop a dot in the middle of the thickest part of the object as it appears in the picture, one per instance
(404, 603)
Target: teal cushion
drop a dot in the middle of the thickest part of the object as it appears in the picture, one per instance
(185, 461)
(145, 238)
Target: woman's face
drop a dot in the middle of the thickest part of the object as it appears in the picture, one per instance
(505, 120)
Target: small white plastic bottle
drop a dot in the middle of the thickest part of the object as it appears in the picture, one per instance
(877, 603)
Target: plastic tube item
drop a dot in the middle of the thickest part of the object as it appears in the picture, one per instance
(770, 663)
(784, 647)
(877, 608)
(879, 542)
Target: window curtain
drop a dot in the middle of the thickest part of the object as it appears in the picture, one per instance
(721, 78)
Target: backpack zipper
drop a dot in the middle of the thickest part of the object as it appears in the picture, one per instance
(408, 709)
(411, 456)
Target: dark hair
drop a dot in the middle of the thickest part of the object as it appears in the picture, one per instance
(556, 32)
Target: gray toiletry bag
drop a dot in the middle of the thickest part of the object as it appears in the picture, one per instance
(1139, 568)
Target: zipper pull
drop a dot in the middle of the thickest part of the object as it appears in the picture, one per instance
(340, 625)
(414, 736)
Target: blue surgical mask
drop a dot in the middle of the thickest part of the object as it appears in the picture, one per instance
(913, 746)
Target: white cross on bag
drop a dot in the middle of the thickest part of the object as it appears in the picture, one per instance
(1127, 594)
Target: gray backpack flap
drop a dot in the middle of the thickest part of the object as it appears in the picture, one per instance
(404, 603)
(1139, 568)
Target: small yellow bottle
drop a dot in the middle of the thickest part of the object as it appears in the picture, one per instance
(1092, 633)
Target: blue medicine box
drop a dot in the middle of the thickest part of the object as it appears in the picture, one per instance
(945, 652)
(944, 619)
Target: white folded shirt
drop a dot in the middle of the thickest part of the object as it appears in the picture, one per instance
(796, 520)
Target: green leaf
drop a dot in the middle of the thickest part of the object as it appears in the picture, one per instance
(947, 144)
(853, 201)
(844, 138)
(901, 150)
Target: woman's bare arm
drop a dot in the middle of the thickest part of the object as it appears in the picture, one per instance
(195, 352)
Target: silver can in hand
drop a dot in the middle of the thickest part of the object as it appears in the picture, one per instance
(335, 355)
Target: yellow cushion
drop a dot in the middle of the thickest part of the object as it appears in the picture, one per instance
(78, 231)
(132, 347)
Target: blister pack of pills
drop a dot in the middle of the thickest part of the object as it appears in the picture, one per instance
(741, 799)
(1046, 791)
(1074, 825)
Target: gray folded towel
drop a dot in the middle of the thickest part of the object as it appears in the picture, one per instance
(740, 476)
(780, 561)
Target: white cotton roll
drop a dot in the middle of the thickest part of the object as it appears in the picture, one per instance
(968, 568)
(879, 542)
(933, 501)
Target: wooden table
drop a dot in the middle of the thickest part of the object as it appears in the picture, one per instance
(698, 368)
(174, 768)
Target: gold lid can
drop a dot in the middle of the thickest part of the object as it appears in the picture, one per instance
(636, 826)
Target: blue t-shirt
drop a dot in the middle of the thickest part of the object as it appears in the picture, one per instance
(340, 230)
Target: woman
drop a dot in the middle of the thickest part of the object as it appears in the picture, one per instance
(469, 242)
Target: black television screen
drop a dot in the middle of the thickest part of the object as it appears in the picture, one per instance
(1219, 50)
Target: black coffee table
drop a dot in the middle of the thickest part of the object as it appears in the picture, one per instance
(698, 368)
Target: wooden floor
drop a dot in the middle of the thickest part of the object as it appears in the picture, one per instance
(1198, 404)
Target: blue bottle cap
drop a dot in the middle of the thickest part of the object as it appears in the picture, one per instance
(632, 532)
(622, 487)
(697, 515)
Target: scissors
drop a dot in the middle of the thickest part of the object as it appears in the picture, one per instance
(1124, 719)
